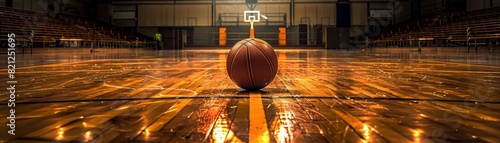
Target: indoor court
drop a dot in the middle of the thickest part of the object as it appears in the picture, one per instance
(370, 71)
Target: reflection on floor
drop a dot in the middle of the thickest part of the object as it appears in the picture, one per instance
(370, 95)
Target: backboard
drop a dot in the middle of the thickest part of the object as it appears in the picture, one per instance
(251, 16)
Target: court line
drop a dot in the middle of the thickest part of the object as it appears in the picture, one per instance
(460, 63)
(51, 64)
(108, 70)
(170, 97)
(161, 121)
(258, 131)
(174, 110)
(167, 116)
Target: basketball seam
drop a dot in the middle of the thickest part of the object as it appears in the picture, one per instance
(263, 43)
(247, 41)
(256, 40)
(232, 60)
(268, 60)
(249, 66)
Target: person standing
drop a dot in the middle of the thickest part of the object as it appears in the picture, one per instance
(158, 40)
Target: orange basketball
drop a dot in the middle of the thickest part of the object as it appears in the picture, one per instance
(252, 64)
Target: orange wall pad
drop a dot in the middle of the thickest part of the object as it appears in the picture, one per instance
(222, 36)
(282, 36)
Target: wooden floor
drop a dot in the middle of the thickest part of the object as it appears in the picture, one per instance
(371, 95)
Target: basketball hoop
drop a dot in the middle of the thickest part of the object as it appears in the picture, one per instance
(251, 16)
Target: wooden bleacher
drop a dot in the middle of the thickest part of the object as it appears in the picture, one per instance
(104, 28)
(482, 26)
(51, 30)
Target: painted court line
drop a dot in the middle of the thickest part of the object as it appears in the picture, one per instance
(258, 132)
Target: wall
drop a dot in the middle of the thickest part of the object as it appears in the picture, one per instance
(402, 11)
(397, 12)
(315, 13)
(265, 9)
(359, 14)
(277, 8)
(382, 10)
(200, 14)
(193, 14)
(2, 2)
(481, 4)
(81, 8)
(430, 7)
(123, 12)
(148, 31)
(306, 12)
(204, 35)
(33, 5)
(359, 18)
(174, 15)
(310, 12)
(124, 15)
(496, 3)
(103, 12)
(477, 4)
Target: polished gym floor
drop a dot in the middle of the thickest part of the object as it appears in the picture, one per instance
(365, 95)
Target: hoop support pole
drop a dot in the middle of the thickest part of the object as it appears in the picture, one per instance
(252, 32)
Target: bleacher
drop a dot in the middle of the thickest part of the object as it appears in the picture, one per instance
(103, 28)
(55, 31)
(479, 27)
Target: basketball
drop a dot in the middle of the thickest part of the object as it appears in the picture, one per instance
(252, 64)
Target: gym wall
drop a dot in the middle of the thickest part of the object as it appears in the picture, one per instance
(359, 18)
(430, 7)
(264, 8)
(82, 8)
(33, 5)
(315, 13)
(359, 14)
(477, 4)
(496, 3)
(402, 11)
(174, 15)
(481, 4)
(123, 15)
(103, 12)
(148, 31)
(398, 11)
